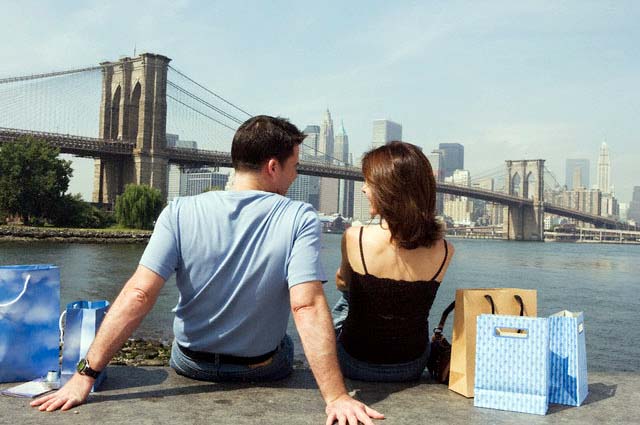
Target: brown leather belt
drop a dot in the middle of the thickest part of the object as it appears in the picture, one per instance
(225, 358)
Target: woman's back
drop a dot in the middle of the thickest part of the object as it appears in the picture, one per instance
(391, 291)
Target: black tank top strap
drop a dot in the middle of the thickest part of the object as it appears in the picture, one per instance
(362, 252)
(446, 253)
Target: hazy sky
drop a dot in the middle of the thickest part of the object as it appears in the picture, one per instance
(509, 80)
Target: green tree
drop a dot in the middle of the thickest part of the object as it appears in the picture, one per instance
(72, 211)
(139, 206)
(33, 179)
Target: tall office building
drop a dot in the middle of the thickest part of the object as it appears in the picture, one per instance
(633, 212)
(176, 173)
(435, 159)
(459, 208)
(194, 181)
(307, 188)
(604, 169)
(452, 158)
(577, 174)
(329, 188)
(385, 131)
(341, 146)
(326, 140)
(310, 143)
(341, 153)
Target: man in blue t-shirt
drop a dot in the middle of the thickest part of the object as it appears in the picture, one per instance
(243, 259)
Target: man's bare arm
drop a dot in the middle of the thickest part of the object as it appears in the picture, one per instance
(133, 303)
(313, 320)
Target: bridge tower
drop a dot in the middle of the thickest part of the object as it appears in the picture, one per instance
(525, 178)
(133, 108)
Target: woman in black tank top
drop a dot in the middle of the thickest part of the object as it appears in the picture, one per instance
(384, 336)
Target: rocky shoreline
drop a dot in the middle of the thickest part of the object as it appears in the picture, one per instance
(27, 234)
(141, 352)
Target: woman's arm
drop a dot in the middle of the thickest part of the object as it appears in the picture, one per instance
(343, 274)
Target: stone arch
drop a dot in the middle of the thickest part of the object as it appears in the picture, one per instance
(530, 185)
(515, 185)
(134, 111)
(115, 114)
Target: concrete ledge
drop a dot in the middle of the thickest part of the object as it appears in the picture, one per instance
(156, 395)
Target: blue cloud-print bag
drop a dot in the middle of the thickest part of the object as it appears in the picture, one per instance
(29, 309)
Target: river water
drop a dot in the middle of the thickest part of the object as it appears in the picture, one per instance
(603, 281)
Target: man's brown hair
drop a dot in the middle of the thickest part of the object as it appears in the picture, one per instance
(261, 138)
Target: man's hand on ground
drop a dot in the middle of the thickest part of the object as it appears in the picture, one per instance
(73, 393)
(346, 410)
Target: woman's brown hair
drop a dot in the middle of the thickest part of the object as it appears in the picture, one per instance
(403, 191)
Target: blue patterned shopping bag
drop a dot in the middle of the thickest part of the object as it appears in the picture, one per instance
(512, 363)
(567, 344)
(29, 309)
(83, 318)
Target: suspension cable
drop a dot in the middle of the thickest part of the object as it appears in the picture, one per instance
(47, 75)
(210, 92)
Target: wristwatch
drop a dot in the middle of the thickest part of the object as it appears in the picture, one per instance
(83, 368)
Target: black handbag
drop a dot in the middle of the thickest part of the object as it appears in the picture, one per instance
(440, 354)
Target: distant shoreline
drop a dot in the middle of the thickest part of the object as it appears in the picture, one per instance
(69, 235)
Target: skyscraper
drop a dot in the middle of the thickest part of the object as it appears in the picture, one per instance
(329, 188)
(326, 141)
(307, 188)
(341, 153)
(341, 146)
(310, 143)
(385, 131)
(577, 174)
(633, 213)
(452, 158)
(459, 208)
(604, 169)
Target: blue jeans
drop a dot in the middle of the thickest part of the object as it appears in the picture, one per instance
(280, 366)
(340, 311)
(360, 370)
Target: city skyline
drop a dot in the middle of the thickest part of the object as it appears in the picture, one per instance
(537, 80)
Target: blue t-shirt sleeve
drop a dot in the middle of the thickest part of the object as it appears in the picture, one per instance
(162, 254)
(304, 262)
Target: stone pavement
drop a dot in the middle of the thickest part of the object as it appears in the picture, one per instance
(156, 395)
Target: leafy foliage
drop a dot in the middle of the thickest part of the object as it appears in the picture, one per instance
(72, 211)
(139, 206)
(33, 179)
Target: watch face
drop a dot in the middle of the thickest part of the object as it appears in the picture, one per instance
(81, 365)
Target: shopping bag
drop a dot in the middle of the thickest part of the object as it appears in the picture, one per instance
(29, 308)
(81, 322)
(512, 363)
(469, 304)
(568, 358)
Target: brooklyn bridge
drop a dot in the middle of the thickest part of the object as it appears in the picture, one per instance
(141, 96)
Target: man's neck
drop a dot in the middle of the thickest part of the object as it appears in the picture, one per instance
(244, 180)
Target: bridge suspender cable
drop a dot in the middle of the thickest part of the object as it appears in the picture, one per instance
(204, 102)
(210, 92)
(200, 112)
(47, 75)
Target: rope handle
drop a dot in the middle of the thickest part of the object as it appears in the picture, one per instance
(518, 298)
(24, 289)
(61, 326)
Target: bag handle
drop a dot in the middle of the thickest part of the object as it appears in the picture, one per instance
(438, 329)
(24, 289)
(60, 326)
(445, 314)
(518, 298)
(493, 306)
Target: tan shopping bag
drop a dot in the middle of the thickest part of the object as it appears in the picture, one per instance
(470, 303)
